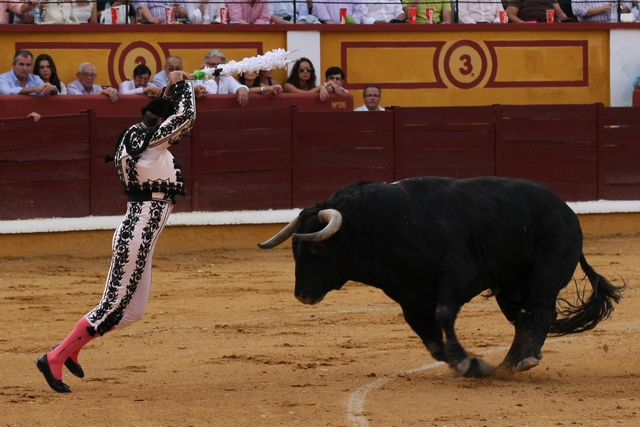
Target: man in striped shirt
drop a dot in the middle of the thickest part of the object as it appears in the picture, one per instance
(153, 12)
(598, 11)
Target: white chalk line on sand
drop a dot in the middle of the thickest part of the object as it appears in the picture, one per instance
(355, 405)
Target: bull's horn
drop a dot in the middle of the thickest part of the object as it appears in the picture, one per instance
(332, 218)
(282, 235)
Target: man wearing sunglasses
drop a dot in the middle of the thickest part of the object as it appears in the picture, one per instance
(222, 85)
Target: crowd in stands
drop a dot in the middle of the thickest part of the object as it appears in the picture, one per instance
(40, 77)
(309, 12)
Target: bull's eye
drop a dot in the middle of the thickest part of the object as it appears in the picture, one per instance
(317, 248)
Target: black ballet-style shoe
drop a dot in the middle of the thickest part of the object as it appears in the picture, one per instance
(72, 366)
(56, 385)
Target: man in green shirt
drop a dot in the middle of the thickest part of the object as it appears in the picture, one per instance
(441, 10)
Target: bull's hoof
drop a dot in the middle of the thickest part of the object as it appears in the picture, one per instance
(479, 369)
(527, 363)
(461, 368)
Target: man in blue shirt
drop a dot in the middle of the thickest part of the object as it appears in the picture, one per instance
(21, 81)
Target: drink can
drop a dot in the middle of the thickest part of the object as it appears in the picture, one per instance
(551, 16)
(503, 17)
(168, 15)
(115, 14)
(430, 15)
(343, 15)
(224, 15)
(412, 15)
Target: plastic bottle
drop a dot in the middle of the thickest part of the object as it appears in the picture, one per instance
(36, 15)
(107, 13)
(614, 12)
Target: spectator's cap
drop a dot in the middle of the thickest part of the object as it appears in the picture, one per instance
(160, 107)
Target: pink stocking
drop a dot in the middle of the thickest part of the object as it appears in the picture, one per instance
(70, 347)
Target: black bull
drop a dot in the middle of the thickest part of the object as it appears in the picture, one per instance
(432, 244)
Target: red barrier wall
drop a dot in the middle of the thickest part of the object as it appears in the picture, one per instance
(281, 158)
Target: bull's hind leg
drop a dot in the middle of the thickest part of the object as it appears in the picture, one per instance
(531, 323)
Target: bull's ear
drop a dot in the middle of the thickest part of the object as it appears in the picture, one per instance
(333, 219)
(280, 237)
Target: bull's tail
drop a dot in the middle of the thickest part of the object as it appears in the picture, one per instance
(586, 314)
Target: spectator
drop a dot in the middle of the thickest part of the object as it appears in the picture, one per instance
(249, 12)
(45, 68)
(521, 11)
(58, 12)
(282, 12)
(372, 95)
(636, 83)
(172, 63)
(382, 11)
(84, 85)
(599, 11)
(565, 5)
(101, 4)
(635, 10)
(20, 81)
(221, 85)
(441, 10)
(303, 80)
(265, 78)
(197, 10)
(252, 81)
(334, 78)
(479, 11)
(140, 83)
(153, 12)
(328, 11)
(85, 11)
(17, 7)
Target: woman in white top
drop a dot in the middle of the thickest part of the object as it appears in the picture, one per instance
(479, 11)
(85, 11)
(197, 10)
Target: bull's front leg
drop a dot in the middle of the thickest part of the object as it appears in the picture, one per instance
(423, 323)
(457, 358)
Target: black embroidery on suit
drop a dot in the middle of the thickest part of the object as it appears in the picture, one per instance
(117, 271)
(139, 137)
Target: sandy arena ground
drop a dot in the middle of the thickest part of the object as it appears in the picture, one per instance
(225, 343)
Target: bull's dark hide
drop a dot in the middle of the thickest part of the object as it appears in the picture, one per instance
(432, 244)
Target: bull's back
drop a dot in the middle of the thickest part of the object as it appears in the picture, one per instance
(505, 202)
(501, 224)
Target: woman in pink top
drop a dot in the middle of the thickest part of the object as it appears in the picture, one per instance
(17, 7)
(249, 12)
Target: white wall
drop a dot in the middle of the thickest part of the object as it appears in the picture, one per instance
(624, 48)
